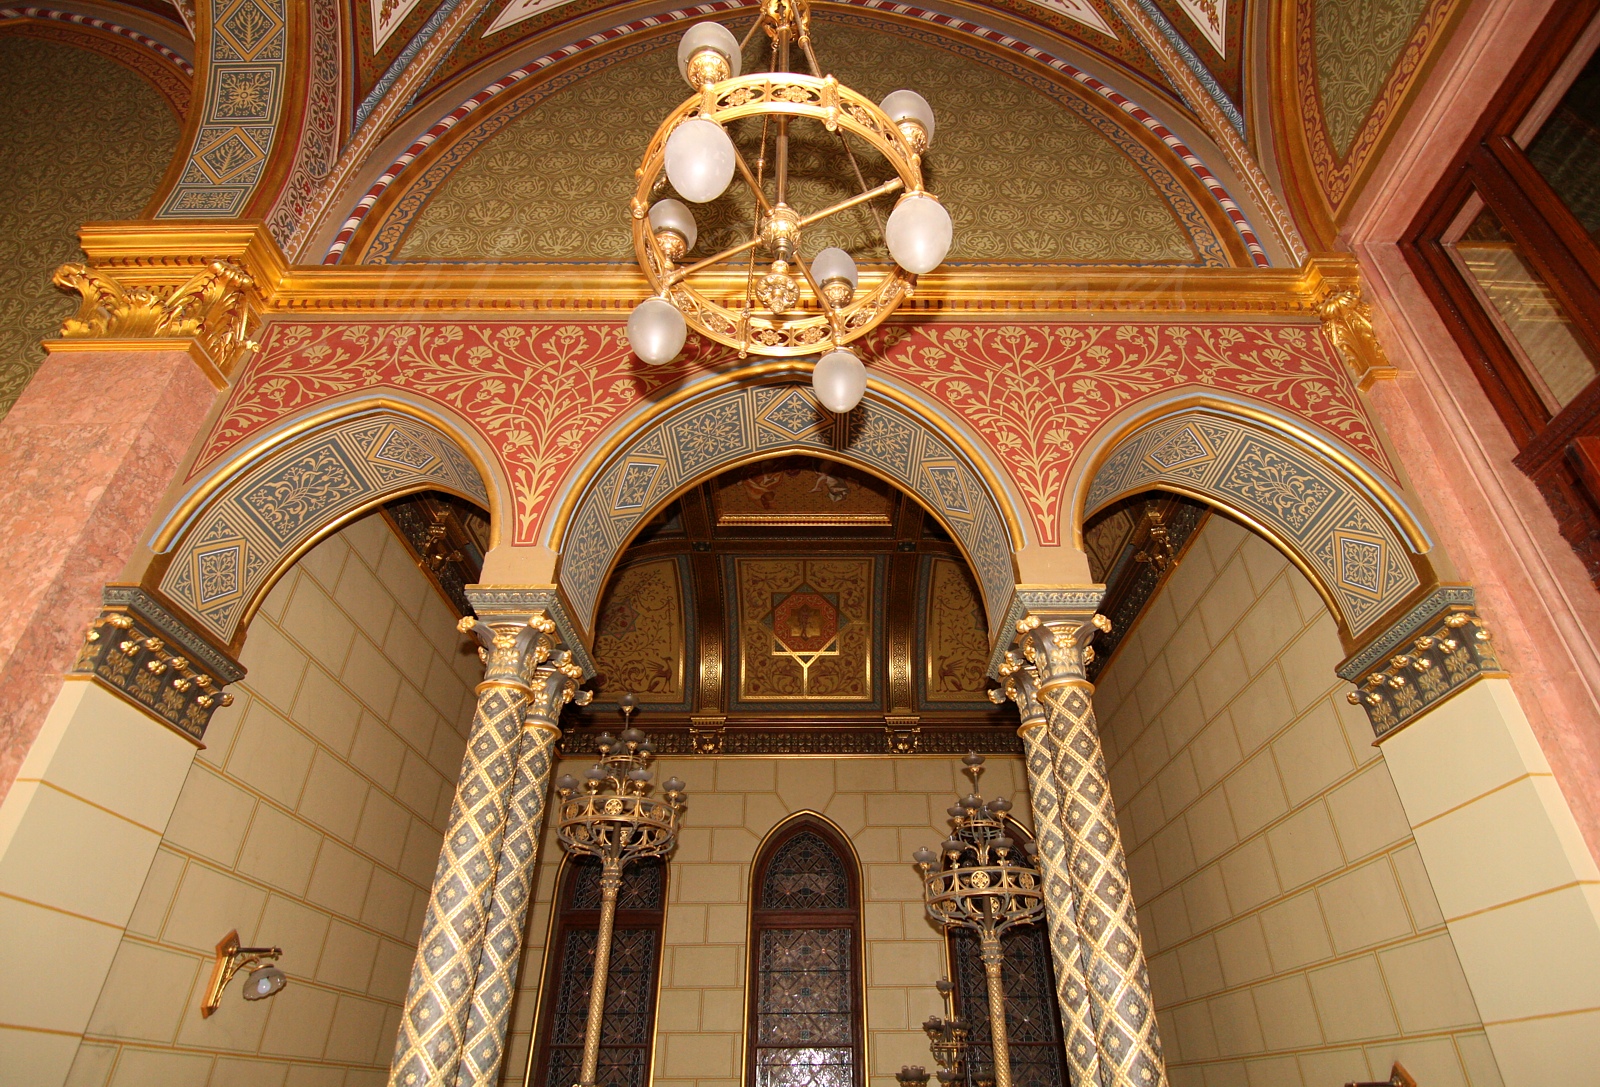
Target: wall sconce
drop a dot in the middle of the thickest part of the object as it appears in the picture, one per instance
(265, 979)
(1398, 1077)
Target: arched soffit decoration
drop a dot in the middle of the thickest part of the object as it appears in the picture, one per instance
(1352, 535)
(379, 228)
(247, 522)
(1343, 83)
(702, 436)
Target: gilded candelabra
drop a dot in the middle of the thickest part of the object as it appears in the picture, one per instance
(947, 1037)
(608, 815)
(979, 880)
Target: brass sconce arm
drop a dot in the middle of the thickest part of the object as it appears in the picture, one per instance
(231, 958)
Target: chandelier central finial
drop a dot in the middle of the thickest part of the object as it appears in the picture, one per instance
(765, 296)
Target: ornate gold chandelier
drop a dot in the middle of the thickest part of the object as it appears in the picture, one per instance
(762, 296)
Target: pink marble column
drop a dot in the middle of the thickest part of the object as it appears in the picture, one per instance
(85, 456)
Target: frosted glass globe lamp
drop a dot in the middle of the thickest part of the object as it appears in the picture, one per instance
(778, 290)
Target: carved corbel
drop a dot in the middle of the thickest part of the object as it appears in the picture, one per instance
(216, 307)
(1347, 320)
(902, 734)
(1441, 646)
(708, 734)
(144, 653)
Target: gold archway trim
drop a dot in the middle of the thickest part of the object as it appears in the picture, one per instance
(760, 374)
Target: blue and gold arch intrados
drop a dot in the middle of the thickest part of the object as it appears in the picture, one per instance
(1352, 535)
(245, 522)
(725, 428)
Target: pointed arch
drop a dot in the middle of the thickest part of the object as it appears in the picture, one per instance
(1351, 532)
(721, 427)
(806, 934)
(240, 526)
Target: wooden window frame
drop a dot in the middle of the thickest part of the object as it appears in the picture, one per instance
(1560, 451)
(568, 920)
(762, 920)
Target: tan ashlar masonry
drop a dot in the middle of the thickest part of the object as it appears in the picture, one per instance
(310, 820)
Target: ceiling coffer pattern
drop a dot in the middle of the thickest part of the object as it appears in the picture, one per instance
(268, 515)
(1308, 504)
(547, 177)
(805, 629)
(740, 424)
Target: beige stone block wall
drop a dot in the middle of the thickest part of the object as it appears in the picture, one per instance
(887, 807)
(311, 820)
(1293, 935)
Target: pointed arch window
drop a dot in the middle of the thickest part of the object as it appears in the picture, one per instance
(805, 1019)
(625, 1041)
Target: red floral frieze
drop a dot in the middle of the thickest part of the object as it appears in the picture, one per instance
(1036, 393)
(538, 393)
(541, 394)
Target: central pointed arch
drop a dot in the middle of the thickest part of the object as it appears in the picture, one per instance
(729, 427)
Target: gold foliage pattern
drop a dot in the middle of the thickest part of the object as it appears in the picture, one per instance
(638, 643)
(1358, 42)
(1025, 179)
(82, 138)
(958, 638)
(787, 657)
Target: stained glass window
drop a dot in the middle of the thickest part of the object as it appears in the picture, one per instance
(630, 981)
(806, 947)
(1038, 1058)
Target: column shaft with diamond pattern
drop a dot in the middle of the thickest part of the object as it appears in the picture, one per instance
(1050, 838)
(1066, 949)
(500, 958)
(1126, 1034)
(434, 1021)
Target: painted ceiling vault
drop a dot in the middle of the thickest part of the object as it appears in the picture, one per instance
(1033, 171)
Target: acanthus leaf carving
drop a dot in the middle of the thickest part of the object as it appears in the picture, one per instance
(214, 307)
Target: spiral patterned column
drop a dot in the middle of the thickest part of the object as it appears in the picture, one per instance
(500, 958)
(433, 1023)
(1050, 836)
(1126, 1035)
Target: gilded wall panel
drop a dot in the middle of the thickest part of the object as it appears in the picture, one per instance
(955, 636)
(82, 138)
(806, 628)
(1032, 172)
(640, 635)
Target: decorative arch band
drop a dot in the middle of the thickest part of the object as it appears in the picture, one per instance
(259, 522)
(1336, 531)
(736, 426)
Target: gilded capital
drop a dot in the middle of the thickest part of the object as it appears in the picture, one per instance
(553, 686)
(511, 648)
(216, 306)
(1057, 646)
(1019, 683)
(1347, 320)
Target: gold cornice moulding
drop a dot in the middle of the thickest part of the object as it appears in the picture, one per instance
(170, 253)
